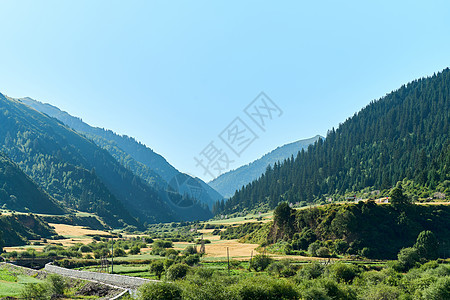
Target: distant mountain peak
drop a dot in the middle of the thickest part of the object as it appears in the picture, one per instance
(233, 180)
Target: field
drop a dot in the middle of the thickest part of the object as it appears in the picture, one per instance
(12, 283)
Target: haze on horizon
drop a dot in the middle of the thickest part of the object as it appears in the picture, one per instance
(175, 74)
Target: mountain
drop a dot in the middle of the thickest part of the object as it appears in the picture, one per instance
(81, 175)
(404, 135)
(228, 183)
(18, 192)
(18, 229)
(139, 158)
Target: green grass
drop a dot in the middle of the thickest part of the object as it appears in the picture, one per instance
(11, 285)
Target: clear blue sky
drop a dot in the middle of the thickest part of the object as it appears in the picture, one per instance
(174, 74)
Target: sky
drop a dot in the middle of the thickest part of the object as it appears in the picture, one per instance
(179, 75)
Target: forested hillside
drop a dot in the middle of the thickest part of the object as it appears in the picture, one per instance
(137, 157)
(75, 171)
(357, 229)
(403, 135)
(17, 229)
(20, 193)
(228, 183)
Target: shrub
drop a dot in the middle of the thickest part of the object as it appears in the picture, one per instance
(382, 291)
(85, 248)
(118, 252)
(310, 271)
(162, 244)
(34, 291)
(191, 260)
(343, 272)
(340, 246)
(313, 247)
(159, 291)
(176, 271)
(260, 262)
(438, 290)
(323, 252)
(134, 250)
(189, 250)
(266, 288)
(157, 267)
(408, 258)
(57, 283)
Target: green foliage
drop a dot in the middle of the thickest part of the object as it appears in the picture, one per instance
(159, 291)
(408, 258)
(118, 252)
(397, 198)
(162, 244)
(18, 191)
(260, 262)
(17, 229)
(427, 245)
(177, 271)
(189, 250)
(266, 288)
(192, 259)
(55, 286)
(157, 267)
(58, 284)
(313, 248)
(35, 291)
(310, 271)
(439, 290)
(343, 272)
(282, 268)
(350, 229)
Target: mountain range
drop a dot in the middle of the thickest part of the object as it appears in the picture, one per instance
(228, 183)
(137, 157)
(80, 175)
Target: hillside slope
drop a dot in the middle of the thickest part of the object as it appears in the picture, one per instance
(18, 192)
(228, 183)
(77, 172)
(403, 135)
(139, 158)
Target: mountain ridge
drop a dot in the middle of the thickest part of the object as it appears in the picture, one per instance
(136, 156)
(228, 183)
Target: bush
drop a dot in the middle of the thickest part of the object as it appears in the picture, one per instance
(57, 283)
(281, 268)
(310, 271)
(162, 244)
(382, 291)
(157, 267)
(313, 247)
(134, 250)
(189, 250)
(260, 262)
(34, 291)
(343, 272)
(266, 288)
(85, 248)
(119, 252)
(191, 260)
(159, 291)
(408, 258)
(323, 252)
(438, 290)
(177, 271)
